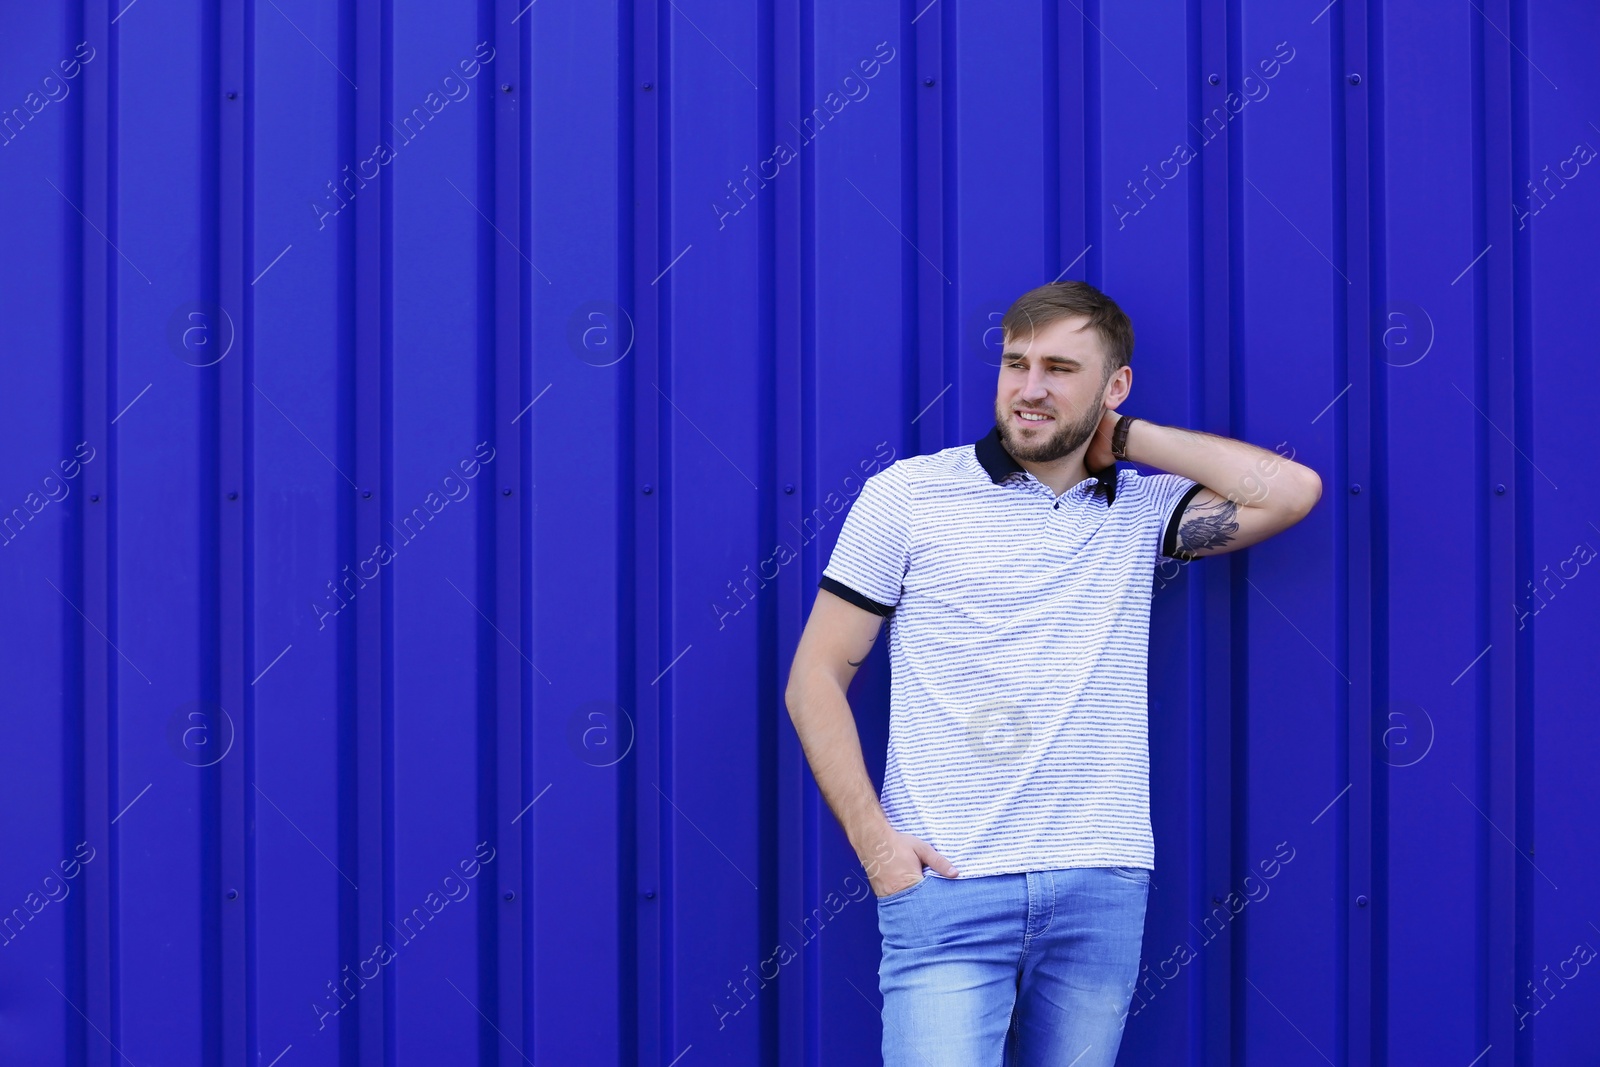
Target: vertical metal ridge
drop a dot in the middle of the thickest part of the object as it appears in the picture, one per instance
(246, 862)
(351, 683)
(1051, 134)
(95, 161)
(634, 142)
(1368, 427)
(1357, 874)
(794, 1036)
(1073, 175)
(811, 809)
(503, 393)
(1519, 531)
(926, 369)
(372, 1040)
(770, 614)
(217, 635)
(665, 456)
(112, 498)
(382, 309)
(1352, 926)
(644, 613)
(77, 809)
(1093, 149)
(1495, 384)
(1481, 682)
(232, 504)
(950, 294)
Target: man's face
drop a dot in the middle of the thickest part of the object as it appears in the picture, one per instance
(1057, 373)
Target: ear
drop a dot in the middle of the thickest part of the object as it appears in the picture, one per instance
(1118, 388)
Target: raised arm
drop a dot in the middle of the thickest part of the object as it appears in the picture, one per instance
(1249, 495)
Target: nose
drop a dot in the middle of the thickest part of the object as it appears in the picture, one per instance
(1033, 389)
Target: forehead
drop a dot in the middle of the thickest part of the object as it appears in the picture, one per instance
(1067, 338)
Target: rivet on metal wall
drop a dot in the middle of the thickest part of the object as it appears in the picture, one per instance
(233, 96)
(511, 896)
(928, 82)
(1361, 901)
(233, 496)
(1214, 80)
(648, 490)
(648, 86)
(506, 491)
(94, 498)
(1500, 489)
(1355, 79)
(233, 894)
(1355, 490)
(365, 493)
(505, 88)
(649, 894)
(788, 489)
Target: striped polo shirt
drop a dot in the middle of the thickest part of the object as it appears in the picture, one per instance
(1019, 626)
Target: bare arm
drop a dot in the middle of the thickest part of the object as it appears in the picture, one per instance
(834, 644)
(1250, 493)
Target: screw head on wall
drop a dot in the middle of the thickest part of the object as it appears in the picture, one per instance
(1214, 80)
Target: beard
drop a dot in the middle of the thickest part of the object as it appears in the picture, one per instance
(1068, 437)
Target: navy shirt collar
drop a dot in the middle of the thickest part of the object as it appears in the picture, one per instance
(1001, 464)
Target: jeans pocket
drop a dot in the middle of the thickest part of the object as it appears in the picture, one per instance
(901, 894)
(1133, 874)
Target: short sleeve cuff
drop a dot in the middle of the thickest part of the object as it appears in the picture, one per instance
(865, 603)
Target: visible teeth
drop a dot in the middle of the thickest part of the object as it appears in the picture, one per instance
(1032, 418)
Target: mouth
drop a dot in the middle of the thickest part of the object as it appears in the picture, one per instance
(1032, 418)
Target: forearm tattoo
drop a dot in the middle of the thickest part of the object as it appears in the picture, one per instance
(1207, 526)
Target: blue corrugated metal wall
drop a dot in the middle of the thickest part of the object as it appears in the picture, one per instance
(424, 425)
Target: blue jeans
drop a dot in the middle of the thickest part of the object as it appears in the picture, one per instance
(1021, 970)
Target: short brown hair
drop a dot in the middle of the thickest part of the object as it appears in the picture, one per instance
(1037, 308)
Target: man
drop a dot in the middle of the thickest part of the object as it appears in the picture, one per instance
(1011, 852)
